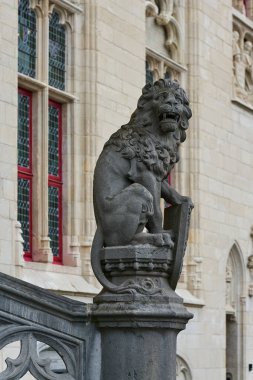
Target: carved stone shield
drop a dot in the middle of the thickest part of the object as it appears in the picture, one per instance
(177, 220)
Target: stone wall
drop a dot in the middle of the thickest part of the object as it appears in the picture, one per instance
(8, 134)
(220, 183)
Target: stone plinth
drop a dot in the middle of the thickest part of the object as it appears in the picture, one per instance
(139, 324)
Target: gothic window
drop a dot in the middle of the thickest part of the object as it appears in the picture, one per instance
(57, 47)
(25, 168)
(45, 35)
(26, 39)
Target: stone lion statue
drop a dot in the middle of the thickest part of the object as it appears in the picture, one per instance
(131, 175)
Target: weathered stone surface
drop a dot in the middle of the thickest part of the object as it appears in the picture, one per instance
(30, 314)
(135, 164)
(139, 324)
(138, 312)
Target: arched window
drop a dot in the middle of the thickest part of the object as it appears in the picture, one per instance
(57, 52)
(26, 39)
(45, 83)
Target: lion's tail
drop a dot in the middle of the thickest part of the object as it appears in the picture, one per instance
(97, 245)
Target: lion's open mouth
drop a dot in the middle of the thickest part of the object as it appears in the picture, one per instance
(169, 117)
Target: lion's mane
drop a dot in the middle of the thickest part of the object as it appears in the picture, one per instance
(135, 140)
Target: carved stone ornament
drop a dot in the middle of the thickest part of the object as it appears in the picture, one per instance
(165, 14)
(250, 290)
(243, 61)
(31, 317)
(250, 263)
(135, 164)
(250, 258)
(28, 359)
(183, 371)
(162, 10)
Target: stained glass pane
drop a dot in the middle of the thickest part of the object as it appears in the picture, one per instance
(24, 189)
(53, 141)
(24, 130)
(53, 218)
(26, 39)
(149, 74)
(57, 51)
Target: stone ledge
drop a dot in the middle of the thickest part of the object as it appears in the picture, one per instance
(242, 104)
(29, 295)
(189, 299)
(59, 282)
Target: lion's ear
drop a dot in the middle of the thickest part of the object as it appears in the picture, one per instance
(146, 88)
(141, 102)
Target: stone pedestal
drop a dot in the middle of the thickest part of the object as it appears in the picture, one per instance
(139, 323)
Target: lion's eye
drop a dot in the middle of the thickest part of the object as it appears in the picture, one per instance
(179, 99)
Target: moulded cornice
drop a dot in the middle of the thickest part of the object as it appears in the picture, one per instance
(173, 64)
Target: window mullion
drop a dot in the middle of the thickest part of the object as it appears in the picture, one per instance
(43, 253)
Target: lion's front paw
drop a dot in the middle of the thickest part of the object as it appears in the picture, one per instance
(167, 240)
(187, 200)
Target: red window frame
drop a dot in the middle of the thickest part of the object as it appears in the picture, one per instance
(26, 173)
(56, 181)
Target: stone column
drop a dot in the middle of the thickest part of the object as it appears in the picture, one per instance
(140, 323)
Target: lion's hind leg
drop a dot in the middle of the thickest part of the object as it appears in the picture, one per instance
(128, 213)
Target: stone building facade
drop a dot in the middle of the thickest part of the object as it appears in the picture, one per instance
(79, 66)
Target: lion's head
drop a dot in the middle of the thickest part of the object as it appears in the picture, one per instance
(163, 108)
(156, 127)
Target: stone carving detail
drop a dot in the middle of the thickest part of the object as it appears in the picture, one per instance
(28, 358)
(166, 15)
(194, 275)
(162, 10)
(135, 163)
(183, 370)
(243, 61)
(33, 318)
(161, 69)
(250, 266)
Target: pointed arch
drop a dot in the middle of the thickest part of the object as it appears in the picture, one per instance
(236, 259)
(183, 371)
(235, 311)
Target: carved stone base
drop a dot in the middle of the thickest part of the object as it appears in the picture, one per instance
(139, 326)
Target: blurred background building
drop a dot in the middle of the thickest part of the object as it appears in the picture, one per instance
(71, 73)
